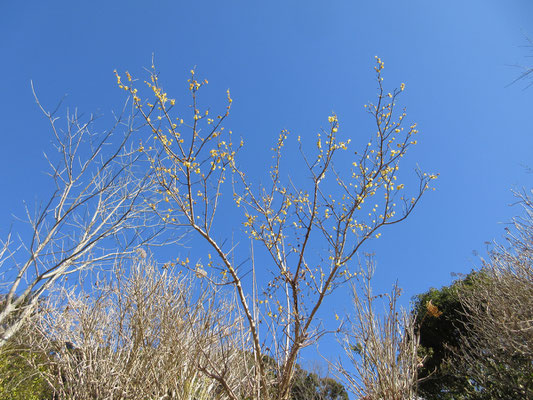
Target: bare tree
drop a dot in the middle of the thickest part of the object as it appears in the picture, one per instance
(380, 344)
(497, 347)
(310, 230)
(98, 211)
(527, 70)
(145, 333)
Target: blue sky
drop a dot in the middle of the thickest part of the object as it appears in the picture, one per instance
(289, 65)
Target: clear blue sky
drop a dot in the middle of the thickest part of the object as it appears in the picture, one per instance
(288, 65)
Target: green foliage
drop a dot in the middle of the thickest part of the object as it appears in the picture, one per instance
(441, 322)
(18, 379)
(506, 378)
(309, 386)
(445, 327)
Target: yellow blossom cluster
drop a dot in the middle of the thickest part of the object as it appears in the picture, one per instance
(337, 208)
(184, 158)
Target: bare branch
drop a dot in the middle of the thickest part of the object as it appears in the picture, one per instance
(98, 212)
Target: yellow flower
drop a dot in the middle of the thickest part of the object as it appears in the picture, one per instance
(200, 272)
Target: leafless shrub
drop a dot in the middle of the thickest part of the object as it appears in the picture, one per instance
(96, 213)
(381, 347)
(497, 348)
(145, 334)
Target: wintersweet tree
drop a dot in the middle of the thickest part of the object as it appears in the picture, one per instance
(312, 231)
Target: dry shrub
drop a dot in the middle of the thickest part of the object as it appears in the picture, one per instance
(497, 348)
(381, 346)
(147, 333)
